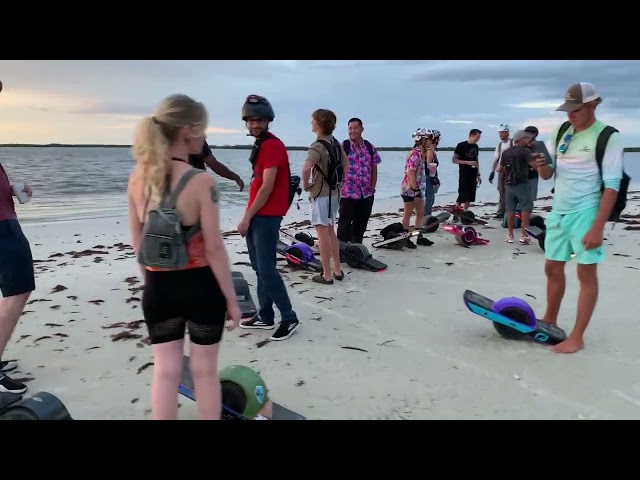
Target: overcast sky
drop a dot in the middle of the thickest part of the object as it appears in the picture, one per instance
(99, 101)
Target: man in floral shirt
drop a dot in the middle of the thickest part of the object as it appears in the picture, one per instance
(359, 185)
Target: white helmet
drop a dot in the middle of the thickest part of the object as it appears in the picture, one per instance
(504, 127)
(436, 134)
(421, 133)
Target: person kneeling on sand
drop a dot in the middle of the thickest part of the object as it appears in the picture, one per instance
(514, 168)
(17, 278)
(326, 164)
(194, 292)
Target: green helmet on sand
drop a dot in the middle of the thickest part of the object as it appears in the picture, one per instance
(243, 390)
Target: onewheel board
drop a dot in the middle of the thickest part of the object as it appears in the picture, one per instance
(282, 413)
(8, 399)
(243, 295)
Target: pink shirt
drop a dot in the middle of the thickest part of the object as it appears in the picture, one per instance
(357, 181)
(7, 207)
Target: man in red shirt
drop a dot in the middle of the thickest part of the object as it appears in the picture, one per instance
(17, 279)
(268, 204)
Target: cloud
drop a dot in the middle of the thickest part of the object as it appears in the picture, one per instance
(100, 101)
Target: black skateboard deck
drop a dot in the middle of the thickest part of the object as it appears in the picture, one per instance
(294, 262)
(243, 295)
(186, 389)
(357, 255)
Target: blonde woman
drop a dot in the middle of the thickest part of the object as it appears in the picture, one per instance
(200, 295)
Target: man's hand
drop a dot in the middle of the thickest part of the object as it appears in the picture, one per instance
(593, 238)
(27, 190)
(240, 183)
(243, 227)
(492, 176)
(540, 160)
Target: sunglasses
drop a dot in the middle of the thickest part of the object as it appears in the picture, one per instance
(566, 141)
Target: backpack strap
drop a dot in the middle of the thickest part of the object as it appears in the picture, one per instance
(170, 202)
(601, 144)
(561, 131)
(370, 148)
(346, 145)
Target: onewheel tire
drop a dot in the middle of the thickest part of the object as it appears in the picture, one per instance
(515, 314)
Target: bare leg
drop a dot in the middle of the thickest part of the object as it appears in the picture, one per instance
(204, 370)
(167, 373)
(406, 217)
(525, 218)
(335, 250)
(587, 299)
(10, 311)
(418, 204)
(556, 284)
(325, 247)
(510, 222)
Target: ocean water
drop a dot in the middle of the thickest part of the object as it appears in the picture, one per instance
(82, 183)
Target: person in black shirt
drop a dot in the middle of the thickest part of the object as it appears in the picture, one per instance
(206, 158)
(466, 156)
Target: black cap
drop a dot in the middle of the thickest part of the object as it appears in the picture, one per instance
(532, 130)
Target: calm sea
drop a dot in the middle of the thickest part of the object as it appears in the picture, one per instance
(80, 183)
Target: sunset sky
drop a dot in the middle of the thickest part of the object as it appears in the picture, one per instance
(99, 101)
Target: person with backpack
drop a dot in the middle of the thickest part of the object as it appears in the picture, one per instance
(515, 164)
(590, 190)
(270, 195)
(174, 219)
(322, 176)
(506, 142)
(359, 185)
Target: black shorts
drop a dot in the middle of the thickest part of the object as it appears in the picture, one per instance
(16, 263)
(409, 199)
(467, 186)
(173, 300)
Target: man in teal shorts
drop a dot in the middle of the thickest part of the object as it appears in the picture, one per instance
(580, 210)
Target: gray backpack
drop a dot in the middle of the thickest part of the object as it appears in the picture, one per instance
(164, 242)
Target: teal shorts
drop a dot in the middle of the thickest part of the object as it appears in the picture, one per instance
(564, 237)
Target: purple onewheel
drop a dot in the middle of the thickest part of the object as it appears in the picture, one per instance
(515, 302)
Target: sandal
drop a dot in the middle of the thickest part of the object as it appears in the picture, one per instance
(339, 277)
(320, 279)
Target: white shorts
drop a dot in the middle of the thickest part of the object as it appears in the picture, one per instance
(320, 214)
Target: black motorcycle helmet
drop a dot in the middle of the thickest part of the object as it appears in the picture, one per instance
(257, 106)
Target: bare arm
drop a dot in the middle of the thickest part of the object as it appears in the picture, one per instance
(612, 168)
(221, 169)
(135, 224)
(457, 161)
(215, 250)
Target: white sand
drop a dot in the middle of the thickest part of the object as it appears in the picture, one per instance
(426, 356)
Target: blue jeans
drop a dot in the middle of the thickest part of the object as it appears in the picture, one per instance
(262, 238)
(429, 197)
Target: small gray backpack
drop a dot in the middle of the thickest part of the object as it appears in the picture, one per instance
(164, 242)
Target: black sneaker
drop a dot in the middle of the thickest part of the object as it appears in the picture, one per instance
(8, 366)
(8, 385)
(285, 330)
(256, 322)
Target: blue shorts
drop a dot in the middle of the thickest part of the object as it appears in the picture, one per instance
(16, 263)
(564, 237)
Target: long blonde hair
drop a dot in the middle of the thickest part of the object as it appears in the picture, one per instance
(155, 134)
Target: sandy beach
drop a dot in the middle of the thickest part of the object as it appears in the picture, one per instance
(399, 344)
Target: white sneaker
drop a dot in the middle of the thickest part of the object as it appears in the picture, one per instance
(525, 240)
(509, 239)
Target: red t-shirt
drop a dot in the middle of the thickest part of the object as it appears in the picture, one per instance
(272, 153)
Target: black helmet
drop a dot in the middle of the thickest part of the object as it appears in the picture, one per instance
(257, 106)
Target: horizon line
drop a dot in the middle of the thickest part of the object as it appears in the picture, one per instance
(220, 147)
